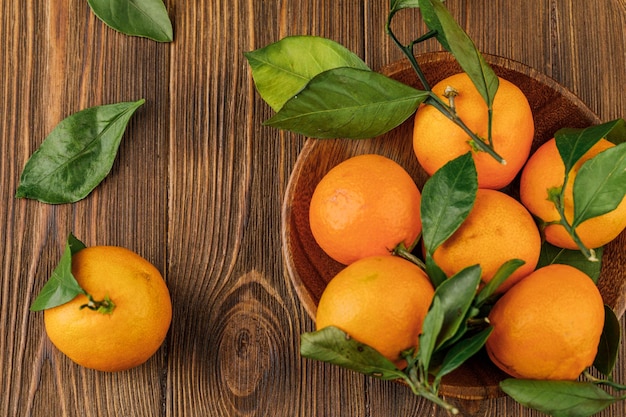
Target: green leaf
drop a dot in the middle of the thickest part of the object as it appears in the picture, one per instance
(559, 398)
(396, 5)
(282, 69)
(456, 295)
(453, 38)
(447, 199)
(573, 143)
(348, 103)
(430, 329)
(553, 255)
(600, 185)
(61, 286)
(608, 348)
(499, 277)
(334, 346)
(145, 18)
(77, 155)
(75, 244)
(462, 351)
(617, 135)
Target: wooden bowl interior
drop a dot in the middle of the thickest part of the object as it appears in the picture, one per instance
(310, 269)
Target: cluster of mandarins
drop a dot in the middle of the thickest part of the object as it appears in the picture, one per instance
(547, 322)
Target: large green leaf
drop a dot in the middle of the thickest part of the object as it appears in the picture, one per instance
(600, 185)
(456, 295)
(559, 398)
(333, 345)
(447, 199)
(77, 155)
(348, 103)
(145, 18)
(281, 69)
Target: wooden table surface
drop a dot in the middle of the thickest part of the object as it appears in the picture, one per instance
(197, 189)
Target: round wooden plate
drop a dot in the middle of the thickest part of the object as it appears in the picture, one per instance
(310, 269)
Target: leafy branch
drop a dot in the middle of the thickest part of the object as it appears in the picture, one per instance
(600, 183)
(320, 89)
(62, 287)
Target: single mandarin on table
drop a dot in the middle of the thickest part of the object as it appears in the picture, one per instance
(130, 333)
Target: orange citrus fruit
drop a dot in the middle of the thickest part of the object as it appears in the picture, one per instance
(135, 327)
(497, 230)
(380, 301)
(548, 326)
(365, 206)
(545, 170)
(437, 140)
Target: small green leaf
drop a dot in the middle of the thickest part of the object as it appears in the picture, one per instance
(447, 199)
(396, 5)
(145, 18)
(462, 351)
(334, 346)
(499, 277)
(452, 37)
(554, 255)
(600, 185)
(348, 103)
(77, 155)
(456, 295)
(75, 244)
(430, 329)
(608, 348)
(61, 286)
(559, 398)
(282, 69)
(573, 143)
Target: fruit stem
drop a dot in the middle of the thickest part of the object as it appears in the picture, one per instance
(419, 386)
(105, 306)
(557, 199)
(405, 253)
(608, 382)
(408, 49)
(450, 113)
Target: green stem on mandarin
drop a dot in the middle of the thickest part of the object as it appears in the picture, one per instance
(436, 101)
(403, 252)
(105, 306)
(557, 199)
(480, 144)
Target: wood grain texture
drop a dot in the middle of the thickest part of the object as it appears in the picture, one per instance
(197, 189)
